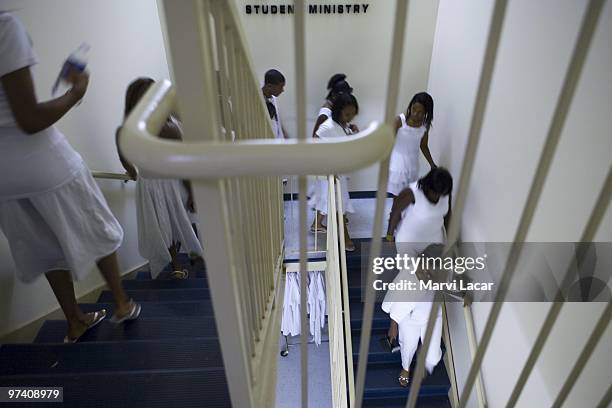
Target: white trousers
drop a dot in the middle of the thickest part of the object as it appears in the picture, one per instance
(410, 332)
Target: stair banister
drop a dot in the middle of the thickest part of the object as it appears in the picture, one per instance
(259, 157)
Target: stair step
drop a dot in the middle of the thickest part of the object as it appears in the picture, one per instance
(380, 319)
(422, 402)
(157, 295)
(53, 331)
(194, 272)
(135, 284)
(152, 389)
(51, 359)
(186, 308)
(377, 354)
(381, 382)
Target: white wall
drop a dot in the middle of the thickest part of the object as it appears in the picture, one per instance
(126, 42)
(535, 49)
(358, 45)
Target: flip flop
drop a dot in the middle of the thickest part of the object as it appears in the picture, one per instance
(98, 317)
(404, 381)
(320, 228)
(132, 314)
(179, 274)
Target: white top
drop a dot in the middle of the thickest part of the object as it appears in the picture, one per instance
(405, 154)
(422, 221)
(325, 111)
(276, 121)
(29, 164)
(330, 129)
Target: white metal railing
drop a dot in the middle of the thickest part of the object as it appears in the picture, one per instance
(228, 141)
(229, 154)
(339, 324)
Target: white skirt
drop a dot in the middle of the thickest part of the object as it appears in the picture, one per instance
(162, 220)
(399, 180)
(69, 228)
(318, 199)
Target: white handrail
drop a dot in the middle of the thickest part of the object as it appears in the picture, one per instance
(473, 346)
(348, 339)
(337, 350)
(210, 160)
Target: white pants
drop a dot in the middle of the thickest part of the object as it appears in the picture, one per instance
(410, 332)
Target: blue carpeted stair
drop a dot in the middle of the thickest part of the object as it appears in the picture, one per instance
(382, 388)
(169, 357)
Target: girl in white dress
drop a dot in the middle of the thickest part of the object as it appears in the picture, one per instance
(345, 108)
(164, 226)
(52, 212)
(422, 212)
(412, 135)
(337, 85)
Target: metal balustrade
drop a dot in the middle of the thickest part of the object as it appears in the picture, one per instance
(229, 154)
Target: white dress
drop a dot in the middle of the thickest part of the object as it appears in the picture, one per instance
(404, 162)
(51, 209)
(422, 224)
(318, 200)
(312, 180)
(162, 219)
(316, 304)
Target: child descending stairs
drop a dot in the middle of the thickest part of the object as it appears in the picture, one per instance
(381, 387)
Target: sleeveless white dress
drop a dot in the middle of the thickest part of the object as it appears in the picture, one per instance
(318, 199)
(404, 162)
(312, 180)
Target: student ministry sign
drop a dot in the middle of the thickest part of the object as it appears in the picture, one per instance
(325, 8)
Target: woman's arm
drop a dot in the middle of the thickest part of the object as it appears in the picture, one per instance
(398, 124)
(33, 116)
(425, 149)
(129, 167)
(403, 200)
(448, 214)
(319, 122)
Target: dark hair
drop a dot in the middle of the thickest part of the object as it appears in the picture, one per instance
(340, 102)
(274, 77)
(339, 87)
(437, 180)
(426, 100)
(336, 85)
(135, 92)
(335, 78)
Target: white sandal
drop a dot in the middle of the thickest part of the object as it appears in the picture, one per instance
(97, 318)
(131, 315)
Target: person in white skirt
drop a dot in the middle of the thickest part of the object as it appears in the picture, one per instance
(412, 135)
(345, 108)
(336, 85)
(418, 220)
(52, 212)
(164, 226)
